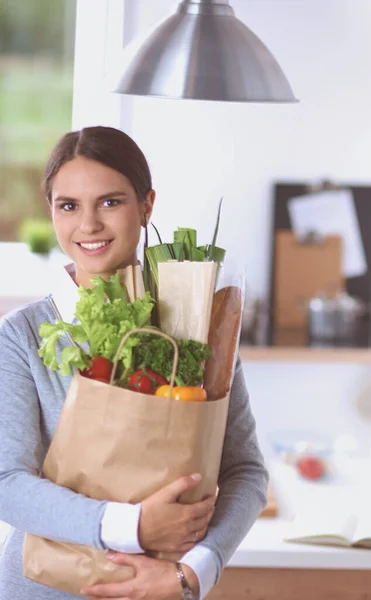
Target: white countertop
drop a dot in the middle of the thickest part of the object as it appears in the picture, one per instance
(345, 487)
(264, 547)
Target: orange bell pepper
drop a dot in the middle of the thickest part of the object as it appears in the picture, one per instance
(188, 393)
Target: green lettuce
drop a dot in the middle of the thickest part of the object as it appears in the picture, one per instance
(104, 316)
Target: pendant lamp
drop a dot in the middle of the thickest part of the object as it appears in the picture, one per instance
(203, 52)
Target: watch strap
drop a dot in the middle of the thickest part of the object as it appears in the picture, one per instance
(186, 590)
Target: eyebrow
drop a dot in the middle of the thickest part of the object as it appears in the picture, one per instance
(102, 197)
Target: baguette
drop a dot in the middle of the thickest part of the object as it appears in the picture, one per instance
(223, 339)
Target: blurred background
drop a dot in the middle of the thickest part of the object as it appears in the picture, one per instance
(296, 181)
(36, 81)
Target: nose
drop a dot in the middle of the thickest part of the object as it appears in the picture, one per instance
(90, 222)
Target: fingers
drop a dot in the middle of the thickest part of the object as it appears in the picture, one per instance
(172, 491)
(108, 590)
(202, 508)
(130, 560)
(198, 530)
(165, 524)
(200, 524)
(193, 541)
(107, 598)
(196, 536)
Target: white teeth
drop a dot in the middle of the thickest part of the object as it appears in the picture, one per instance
(94, 246)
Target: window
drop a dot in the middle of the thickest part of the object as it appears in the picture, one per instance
(36, 81)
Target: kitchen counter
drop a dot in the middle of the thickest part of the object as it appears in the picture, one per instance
(344, 488)
(264, 547)
(265, 567)
(304, 354)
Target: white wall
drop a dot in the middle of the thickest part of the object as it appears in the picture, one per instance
(328, 398)
(199, 151)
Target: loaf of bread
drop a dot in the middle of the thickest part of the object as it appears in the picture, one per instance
(223, 340)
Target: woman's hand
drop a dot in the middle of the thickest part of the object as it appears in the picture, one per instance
(165, 525)
(153, 580)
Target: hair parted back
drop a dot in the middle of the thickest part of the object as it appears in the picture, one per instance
(106, 145)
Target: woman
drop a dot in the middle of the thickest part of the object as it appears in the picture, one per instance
(99, 188)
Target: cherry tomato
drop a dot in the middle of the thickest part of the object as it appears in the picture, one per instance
(100, 368)
(145, 381)
(310, 467)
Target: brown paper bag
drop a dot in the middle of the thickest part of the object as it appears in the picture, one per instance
(185, 298)
(118, 445)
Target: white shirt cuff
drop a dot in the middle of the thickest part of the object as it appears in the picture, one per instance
(203, 562)
(119, 527)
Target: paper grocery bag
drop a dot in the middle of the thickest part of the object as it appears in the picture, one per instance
(118, 445)
(185, 298)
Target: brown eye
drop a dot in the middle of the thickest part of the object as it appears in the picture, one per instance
(67, 206)
(112, 202)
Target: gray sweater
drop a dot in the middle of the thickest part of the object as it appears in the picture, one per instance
(31, 399)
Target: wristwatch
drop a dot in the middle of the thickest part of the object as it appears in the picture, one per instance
(186, 590)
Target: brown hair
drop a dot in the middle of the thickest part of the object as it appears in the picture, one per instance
(106, 145)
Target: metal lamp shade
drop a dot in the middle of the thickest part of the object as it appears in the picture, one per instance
(204, 52)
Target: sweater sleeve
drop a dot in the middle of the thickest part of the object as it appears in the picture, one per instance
(27, 502)
(243, 479)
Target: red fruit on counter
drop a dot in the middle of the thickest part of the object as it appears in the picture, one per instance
(310, 467)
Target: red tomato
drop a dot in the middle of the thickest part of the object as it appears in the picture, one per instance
(145, 381)
(310, 467)
(100, 368)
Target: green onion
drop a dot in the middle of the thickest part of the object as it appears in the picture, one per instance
(215, 254)
(158, 234)
(178, 249)
(156, 254)
(196, 255)
(183, 248)
(210, 249)
(189, 236)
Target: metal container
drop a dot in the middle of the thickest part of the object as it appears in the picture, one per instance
(334, 318)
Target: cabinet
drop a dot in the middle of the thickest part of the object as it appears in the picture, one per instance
(292, 584)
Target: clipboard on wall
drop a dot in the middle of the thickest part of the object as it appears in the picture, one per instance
(301, 270)
(283, 193)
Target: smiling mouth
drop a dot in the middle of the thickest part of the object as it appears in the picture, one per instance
(94, 245)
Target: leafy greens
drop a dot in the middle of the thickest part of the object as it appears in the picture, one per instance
(157, 354)
(104, 316)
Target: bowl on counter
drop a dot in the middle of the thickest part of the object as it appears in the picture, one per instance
(308, 452)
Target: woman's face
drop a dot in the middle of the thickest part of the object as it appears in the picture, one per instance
(97, 217)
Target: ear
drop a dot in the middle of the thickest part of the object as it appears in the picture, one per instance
(148, 207)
